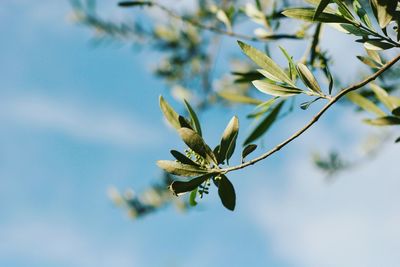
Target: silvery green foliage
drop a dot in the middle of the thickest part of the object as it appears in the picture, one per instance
(187, 41)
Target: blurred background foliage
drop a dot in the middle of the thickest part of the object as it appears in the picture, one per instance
(188, 36)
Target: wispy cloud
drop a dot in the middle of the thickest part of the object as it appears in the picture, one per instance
(88, 123)
(53, 244)
(352, 222)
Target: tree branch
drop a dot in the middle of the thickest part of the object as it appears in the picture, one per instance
(316, 117)
(221, 31)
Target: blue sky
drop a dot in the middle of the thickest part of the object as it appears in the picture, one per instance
(75, 120)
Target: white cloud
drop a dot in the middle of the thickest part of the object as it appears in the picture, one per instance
(59, 243)
(352, 222)
(87, 123)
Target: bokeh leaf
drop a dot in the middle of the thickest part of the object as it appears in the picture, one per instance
(384, 121)
(264, 125)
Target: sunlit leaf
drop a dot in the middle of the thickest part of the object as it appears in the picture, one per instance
(365, 103)
(383, 96)
(384, 121)
(180, 169)
(169, 113)
(194, 141)
(265, 62)
(369, 62)
(194, 118)
(264, 125)
(292, 65)
(262, 108)
(235, 97)
(276, 90)
(362, 14)
(384, 11)
(307, 14)
(228, 139)
(308, 78)
(226, 193)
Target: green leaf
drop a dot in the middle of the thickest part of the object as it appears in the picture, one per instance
(362, 14)
(182, 158)
(384, 121)
(192, 198)
(248, 150)
(194, 118)
(383, 96)
(377, 45)
(265, 62)
(134, 3)
(308, 78)
(276, 90)
(369, 62)
(292, 65)
(226, 193)
(384, 11)
(396, 112)
(320, 8)
(180, 169)
(183, 122)
(169, 113)
(262, 108)
(181, 187)
(194, 141)
(365, 103)
(231, 149)
(228, 139)
(344, 10)
(264, 125)
(235, 97)
(328, 75)
(397, 140)
(307, 14)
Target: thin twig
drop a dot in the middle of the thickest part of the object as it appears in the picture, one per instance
(221, 31)
(316, 117)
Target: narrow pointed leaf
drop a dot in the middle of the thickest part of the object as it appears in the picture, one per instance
(248, 150)
(180, 187)
(377, 45)
(365, 103)
(292, 65)
(134, 3)
(264, 125)
(320, 8)
(182, 158)
(226, 193)
(235, 97)
(183, 122)
(383, 96)
(193, 116)
(307, 14)
(384, 121)
(265, 62)
(308, 78)
(276, 90)
(384, 11)
(194, 141)
(228, 137)
(180, 169)
(169, 113)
